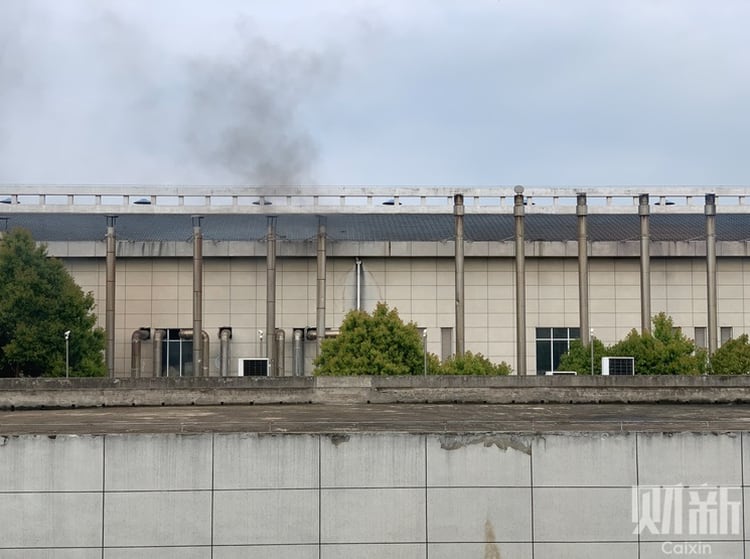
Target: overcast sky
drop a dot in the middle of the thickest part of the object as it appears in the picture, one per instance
(375, 92)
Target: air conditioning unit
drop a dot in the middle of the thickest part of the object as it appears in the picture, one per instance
(618, 366)
(252, 367)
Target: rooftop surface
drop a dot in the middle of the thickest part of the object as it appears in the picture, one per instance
(365, 418)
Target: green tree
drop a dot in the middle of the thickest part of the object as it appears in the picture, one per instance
(664, 351)
(372, 344)
(39, 301)
(732, 358)
(578, 358)
(472, 364)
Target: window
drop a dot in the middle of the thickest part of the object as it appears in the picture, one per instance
(726, 334)
(176, 355)
(700, 337)
(551, 343)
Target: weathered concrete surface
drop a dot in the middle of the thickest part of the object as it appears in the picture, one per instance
(345, 419)
(50, 393)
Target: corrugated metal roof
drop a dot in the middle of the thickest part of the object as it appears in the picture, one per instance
(404, 227)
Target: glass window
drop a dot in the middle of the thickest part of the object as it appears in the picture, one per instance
(551, 344)
(177, 355)
(700, 337)
(726, 334)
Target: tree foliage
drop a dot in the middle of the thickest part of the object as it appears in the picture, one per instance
(372, 344)
(39, 301)
(381, 344)
(732, 358)
(663, 351)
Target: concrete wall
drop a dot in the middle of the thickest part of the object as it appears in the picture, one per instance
(157, 293)
(357, 495)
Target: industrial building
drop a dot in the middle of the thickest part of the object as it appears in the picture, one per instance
(512, 273)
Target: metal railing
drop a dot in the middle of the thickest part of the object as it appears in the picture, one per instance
(160, 199)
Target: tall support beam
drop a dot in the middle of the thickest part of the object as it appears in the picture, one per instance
(198, 356)
(271, 295)
(710, 211)
(643, 213)
(320, 321)
(458, 212)
(109, 320)
(583, 270)
(519, 213)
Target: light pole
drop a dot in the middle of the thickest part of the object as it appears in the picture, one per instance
(67, 353)
(424, 349)
(591, 340)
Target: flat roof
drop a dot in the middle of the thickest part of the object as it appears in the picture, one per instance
(381, 418)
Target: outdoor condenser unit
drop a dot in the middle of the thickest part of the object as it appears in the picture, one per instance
(252, 367)
(618, 366)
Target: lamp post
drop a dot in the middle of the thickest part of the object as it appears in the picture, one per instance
(591, 340)
(67, 353)
(424, 349)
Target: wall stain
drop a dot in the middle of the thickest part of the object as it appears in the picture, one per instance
(338, 439)
(503, 442)
(491, 551)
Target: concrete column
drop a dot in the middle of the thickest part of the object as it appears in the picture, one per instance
(271, 296)
(197, 295)
(644, 212)
(710, 211)
(320, 322)
(458, 211)
(109, 321)
(583, 270)
(519, 213)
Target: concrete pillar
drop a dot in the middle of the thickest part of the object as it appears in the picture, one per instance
(458, 211)
(271, 296)
(109, 321)
(197, 295)
(518, 213)
(583, 270)
(710, 211)
(644, 212)
(320, 322)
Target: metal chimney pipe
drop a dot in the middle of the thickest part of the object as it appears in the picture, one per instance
(458, 212)
(280, 355)
(298, 352)
(198, 356)
(109, 321)
(271, 295)
(644, 212)
(225, 334)
(710, 211)
(135, 350)
(583, 270)
(159, 334)
(320, 324)
(519, 213)
(205, 343)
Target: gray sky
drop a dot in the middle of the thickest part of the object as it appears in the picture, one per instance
(375, 92)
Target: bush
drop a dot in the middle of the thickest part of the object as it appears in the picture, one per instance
(472, 364)
(578, 358)
(732, 358)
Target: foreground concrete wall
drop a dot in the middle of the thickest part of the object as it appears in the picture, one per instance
(356, 495)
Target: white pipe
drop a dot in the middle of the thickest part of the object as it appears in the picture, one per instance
(225, 334)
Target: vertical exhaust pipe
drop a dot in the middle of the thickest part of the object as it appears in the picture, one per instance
(644, 212)
(298, 352)
(710, 211)
(320, 323)
(458, 212)
(198, 356)
(271, 296)
(205, 343)
(583, 270)
(159, 334)
(519, 213)
(280, 355)
(225, 334)
(109, 321)
(136, 338)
